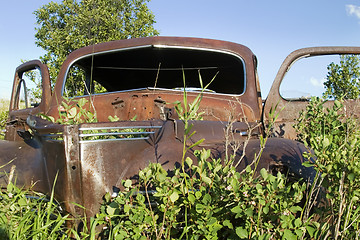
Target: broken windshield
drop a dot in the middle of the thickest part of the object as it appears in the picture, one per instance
(155, 67)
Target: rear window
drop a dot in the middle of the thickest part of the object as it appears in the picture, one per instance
(155, 68)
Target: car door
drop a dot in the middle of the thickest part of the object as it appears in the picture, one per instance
(22, 103)
(288, 108)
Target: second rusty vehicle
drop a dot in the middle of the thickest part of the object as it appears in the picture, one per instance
(137, 82)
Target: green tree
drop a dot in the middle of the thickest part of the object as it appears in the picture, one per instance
(343, 80)
(72, 24)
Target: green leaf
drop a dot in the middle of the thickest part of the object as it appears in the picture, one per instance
(234, 183)
(191, 198)
(262, 201)
(298, 232)
(337, 104)
(127, 183)
(197, 143)
(206, 199)
(72, 112)
(249, 212)
(264, 173)
(22, 202)
(311, 230)
(298, 222)
(127, 208)
(218, 168)
(82, 102)
(111, 208)
(308, 164)
(228, 224)
(189, 161)
(289, 235)
(198, 194)
(351, 176)
(211, 221)
(107, 197)
(174, 196)
(140, 198)
(205, 179)
(10, 187)
(326, 142)
(236, 209)
(295, 209)
(199, 208)
(266, 209)
(241, 232)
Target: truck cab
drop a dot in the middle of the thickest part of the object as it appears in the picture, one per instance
(129, 89)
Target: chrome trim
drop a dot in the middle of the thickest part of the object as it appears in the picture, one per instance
(111, 140)
(113, 133)
(109, 128)
(116, 133)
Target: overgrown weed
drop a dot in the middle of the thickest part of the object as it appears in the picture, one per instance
(4, 114)
(25, 214)
(334, 138)
(207, 199)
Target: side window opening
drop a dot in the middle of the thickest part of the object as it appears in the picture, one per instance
(29, 90)
(315, 76)
(22, 96)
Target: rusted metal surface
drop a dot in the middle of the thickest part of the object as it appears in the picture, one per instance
(291, 108)
(249, 97)
(91, 159)
(18, 116)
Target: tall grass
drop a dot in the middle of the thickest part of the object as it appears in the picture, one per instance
(25, 214)
(4, 110)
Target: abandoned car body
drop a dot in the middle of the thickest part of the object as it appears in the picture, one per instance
(138, 81)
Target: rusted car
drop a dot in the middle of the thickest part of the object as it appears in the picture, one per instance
(138, 81)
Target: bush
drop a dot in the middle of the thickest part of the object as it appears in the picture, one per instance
(206, 198)
(208, 201)
(334, 139)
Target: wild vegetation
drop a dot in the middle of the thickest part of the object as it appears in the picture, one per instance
(343, 79)
(204, 198)
(4, 110)
(333, 136)
(211, 200)
(207, 198)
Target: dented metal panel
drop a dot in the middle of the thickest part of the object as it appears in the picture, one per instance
(90, 159)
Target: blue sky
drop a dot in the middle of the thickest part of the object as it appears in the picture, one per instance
(271, 29)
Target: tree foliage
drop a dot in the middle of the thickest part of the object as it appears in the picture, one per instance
(343, 80)
(72, 24)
